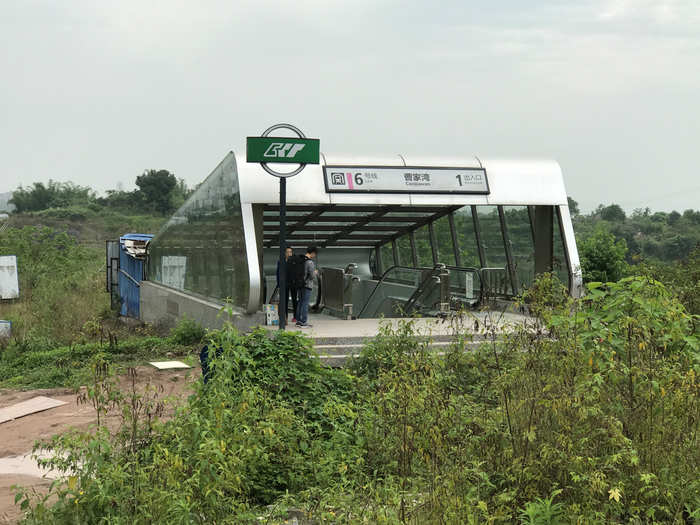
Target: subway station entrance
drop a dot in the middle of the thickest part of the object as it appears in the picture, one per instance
(396, 237)
(406, 261)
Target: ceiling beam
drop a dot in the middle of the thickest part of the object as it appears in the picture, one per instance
(426, 220)
(325, 228)
(359, 224)
(308, 218)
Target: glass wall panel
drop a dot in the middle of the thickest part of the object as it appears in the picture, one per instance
(446, 252)
(521, 243)
(491, 237)
(496, 279)
(466, 238)
(404, 245)
(425, 254)
(387, 255)
(201, 249)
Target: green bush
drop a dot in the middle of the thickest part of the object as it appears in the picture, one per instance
(602, 257)
(187, 332)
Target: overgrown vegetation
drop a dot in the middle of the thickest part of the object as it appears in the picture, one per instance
(58, 278)
(588, 413)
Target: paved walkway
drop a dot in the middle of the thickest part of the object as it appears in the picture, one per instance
(324, 326)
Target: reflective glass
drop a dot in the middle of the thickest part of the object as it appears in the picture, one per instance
(521, 244)
(446, 252)
(404, 245)
(466, 238)
(425, 254)
(201, 249)
(491, 236)
(387, 256)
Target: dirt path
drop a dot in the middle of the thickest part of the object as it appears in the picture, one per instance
(18, 437)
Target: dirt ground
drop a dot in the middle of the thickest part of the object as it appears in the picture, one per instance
(18, 437)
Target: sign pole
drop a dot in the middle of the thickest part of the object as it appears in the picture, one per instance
(283, 150)
(283, 247)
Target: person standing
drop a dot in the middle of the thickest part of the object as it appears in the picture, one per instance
(305, 292)
(291, 286)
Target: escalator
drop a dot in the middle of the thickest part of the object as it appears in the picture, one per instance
(428, 292)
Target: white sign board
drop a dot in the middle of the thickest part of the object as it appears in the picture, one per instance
(404, 179)
(5, 329)
(173, 269)
(9, 283)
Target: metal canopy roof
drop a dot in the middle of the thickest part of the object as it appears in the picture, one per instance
(348, 225)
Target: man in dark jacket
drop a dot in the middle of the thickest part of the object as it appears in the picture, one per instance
(305, 291)
(291, 285)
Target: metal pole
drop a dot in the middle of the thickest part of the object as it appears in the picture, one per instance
(283, 246)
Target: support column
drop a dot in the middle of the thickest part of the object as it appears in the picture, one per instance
(477, 233)
(433, 243)
(414, 253)
(455, 241)
(395, 252)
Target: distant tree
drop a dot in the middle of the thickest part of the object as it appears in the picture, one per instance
(573, 206)
(156, 188)
(612, 213)
(603, 257)
(52, 195)
(673, 217)
(692, 216)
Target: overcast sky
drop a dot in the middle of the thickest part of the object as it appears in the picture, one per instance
(610, 88)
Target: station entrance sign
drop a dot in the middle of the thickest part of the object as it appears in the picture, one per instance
(405, 179)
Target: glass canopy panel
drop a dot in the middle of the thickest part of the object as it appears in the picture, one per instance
(201, 249)
(521, 242)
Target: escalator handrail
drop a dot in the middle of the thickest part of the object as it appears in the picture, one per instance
(408, 305)
(382, 279)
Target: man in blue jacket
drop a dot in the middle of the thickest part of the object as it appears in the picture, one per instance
(305, 292)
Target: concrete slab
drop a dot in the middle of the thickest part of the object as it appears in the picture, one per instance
(31, 406)
(27, 465)
(169, 365)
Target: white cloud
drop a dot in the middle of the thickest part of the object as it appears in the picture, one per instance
(663, 12)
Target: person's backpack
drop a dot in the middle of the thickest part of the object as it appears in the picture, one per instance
(295, 271)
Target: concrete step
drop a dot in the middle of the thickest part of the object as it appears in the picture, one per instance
(337, 355)
(351, 341)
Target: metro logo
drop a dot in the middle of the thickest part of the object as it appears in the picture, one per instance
(283, 150)
(286, 150)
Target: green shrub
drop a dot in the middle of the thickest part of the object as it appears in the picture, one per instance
(187, 332)
(603, 257)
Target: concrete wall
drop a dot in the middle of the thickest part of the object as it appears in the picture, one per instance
(162, 305)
